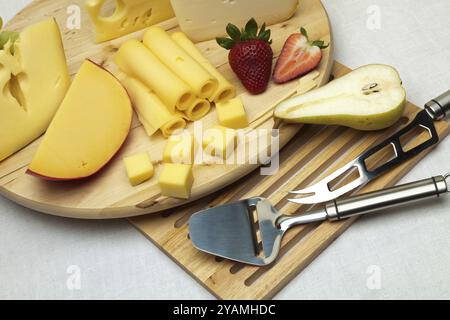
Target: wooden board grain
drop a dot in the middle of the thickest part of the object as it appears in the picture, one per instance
(315, 152)
(109, 194)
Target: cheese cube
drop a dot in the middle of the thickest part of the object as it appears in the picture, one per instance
(219, 141)
(232, 114)
(179, 149)
(139, 168)
(176, 180)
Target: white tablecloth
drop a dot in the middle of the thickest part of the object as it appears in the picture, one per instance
(403, 254)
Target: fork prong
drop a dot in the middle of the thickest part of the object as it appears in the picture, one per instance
(330, 195)
(308, 200)
(322, 185)
(308, 190)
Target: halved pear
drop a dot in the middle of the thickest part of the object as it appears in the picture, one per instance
(368, 98)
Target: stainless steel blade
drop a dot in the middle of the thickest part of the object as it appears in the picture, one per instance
(229, 231)
(226, 231)
(322, 192)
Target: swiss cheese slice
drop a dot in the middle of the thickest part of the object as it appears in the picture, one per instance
(128, 16)
(33, 82)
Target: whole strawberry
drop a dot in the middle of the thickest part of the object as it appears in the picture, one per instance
(250, 55)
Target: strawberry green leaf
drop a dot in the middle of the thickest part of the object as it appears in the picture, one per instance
(226, 43)
(233, 32)
(251, 28)
(1, 23)
(262, 30)
(266, 36)
(304, 32)
(320, 44)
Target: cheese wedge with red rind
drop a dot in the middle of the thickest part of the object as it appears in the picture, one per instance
(89, 128)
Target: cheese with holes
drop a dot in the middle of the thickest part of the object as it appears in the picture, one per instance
(225, 90)
(137, 61)
(176, 180)
(206, 19)
(180, 62)
(179, 149)
(127, 16)
(33, 82)
(219, 141)
(89, 128)
(139, 168)
(232, 114)
(151, 111)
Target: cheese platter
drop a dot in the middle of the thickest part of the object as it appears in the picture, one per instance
(106, 191)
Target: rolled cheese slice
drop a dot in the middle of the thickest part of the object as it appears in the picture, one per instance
(225, 90)
(199, 108)
(181, 63)
(134, 59)
(151, 111)
(175, 124)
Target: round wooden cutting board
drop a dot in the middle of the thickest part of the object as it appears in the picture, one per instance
(109, 194)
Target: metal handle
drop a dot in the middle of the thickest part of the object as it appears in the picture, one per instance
(439, 107)
(366, 203)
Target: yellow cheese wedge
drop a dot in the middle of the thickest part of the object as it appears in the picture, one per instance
(89, 128)
(181, 63)
(139, 168)
(232, 114)
(225, 90)
(176, 180)
(151, 111)
(219, 141)
(128, 16)
(198, 109)
(206, 19)
(135, 60)
(179, 149)
(33, 82)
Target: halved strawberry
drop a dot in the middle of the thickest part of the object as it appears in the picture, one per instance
(298, 57)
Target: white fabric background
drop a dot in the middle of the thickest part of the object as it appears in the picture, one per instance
(411, 246)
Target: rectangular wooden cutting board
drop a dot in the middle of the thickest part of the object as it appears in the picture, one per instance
(314, 152)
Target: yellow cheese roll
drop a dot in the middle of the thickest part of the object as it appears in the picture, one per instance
(181, 63)
(199, 108)
(225, 90)
(151, 111)
(137, 61)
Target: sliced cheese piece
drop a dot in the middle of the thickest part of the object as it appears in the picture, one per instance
(198, 109)
(206, 19)
(180, 62)
(176, 180)
(33, 83)
(179, 149)
(89, 128)
(232, 114)
(151, 111)
(139, 168)
(128, 16)
(219, 141)
(225, 90)
(134, 59)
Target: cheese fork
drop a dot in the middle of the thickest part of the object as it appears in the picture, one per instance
(435, 110)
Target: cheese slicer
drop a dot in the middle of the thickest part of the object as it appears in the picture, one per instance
(250, 231)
